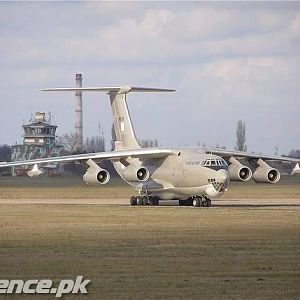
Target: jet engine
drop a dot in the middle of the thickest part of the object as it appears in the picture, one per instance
(238, 171)
(95, 174)
(136, 173)
(265, 173)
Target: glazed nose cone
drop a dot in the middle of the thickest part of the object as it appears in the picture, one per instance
(222, 176)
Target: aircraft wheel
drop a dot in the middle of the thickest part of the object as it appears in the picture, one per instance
(145, 201)
(151, 201)
(201, 201)
(181, 202)
(208, 203)
(156, 201)
(189, 202)
(139, 200)
(133, 201)
(196, 202)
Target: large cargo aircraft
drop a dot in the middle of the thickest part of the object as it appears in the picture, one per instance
(192, 176)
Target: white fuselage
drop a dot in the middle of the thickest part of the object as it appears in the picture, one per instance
(181, 176)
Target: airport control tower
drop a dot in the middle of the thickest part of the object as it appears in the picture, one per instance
(39, 132)
(38, 142)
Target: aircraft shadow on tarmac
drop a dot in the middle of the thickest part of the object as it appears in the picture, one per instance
(256, 205)
(236, 205)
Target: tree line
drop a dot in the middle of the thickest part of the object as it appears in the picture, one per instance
(97, 143)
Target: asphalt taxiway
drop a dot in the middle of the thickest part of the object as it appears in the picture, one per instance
(268, 203)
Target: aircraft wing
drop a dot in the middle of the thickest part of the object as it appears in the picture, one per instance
(245, 155)
(288, 165)
(110, 155)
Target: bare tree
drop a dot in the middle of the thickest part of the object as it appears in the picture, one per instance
(5, 153)
(94, 144)
(294, 153)
(69, 141)
(148, 143)
(220, 147)
(241, 136)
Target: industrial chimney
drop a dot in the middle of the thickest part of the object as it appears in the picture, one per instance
(78, 114)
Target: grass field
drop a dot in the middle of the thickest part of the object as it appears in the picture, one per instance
(167, 252)
(155, 252)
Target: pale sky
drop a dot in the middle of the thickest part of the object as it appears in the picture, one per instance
(227, 61)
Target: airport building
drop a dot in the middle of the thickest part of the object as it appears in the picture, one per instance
(38, 142)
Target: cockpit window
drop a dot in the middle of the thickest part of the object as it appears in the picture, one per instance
(214, 162)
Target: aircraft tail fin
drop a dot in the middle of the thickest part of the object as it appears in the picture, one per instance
(124, 132)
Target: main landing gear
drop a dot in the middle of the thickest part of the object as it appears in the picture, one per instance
(144, 200)
(196, 201)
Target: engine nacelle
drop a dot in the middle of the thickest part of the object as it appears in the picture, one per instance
(238, 171)
(96, 176)
(296, 170)
(35, 171)
(136, 173)
(265, 173)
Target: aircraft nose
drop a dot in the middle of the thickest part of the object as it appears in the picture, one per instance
(222, 176)
(219, 185)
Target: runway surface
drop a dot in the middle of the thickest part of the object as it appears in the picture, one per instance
(280, 203)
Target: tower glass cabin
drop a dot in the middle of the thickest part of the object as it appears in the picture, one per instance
(39, 132)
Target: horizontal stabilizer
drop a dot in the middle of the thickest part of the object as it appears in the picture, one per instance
(119, 89)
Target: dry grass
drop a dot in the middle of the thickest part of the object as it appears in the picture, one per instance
(61, 188)
(152, 252)
(155, 252)
(287, 187)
